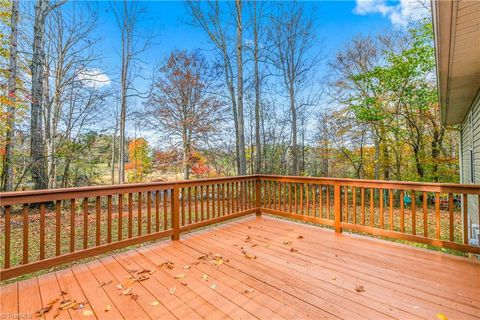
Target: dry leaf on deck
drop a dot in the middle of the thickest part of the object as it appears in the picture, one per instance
(247, 238)
(44, 310)
(172, 290)
(119, 286)
(168, 264)
(134, 297)
(107, 308)
(87, 313)
(180, 276)
(105, 283)
(205, 277)
(154, 303)
(287, 242)
(213, 286)
(359, 288)
(249, 290)
(293, 250)
(441, 316)
(143, 271)
(143, 277)
(300, 237)
(250, 256)
(127, 291)
(186, 267)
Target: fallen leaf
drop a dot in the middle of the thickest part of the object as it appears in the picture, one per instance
(287, 242)
(186, 267)
(119, 286)
(44, 310)
(293, 250)
(63, 292)
(154, 303)
(127, 291)
(153, 271)
(143, 271)
(56, 314)
(205, 277)
(300, 237)
(180, 276)
(247, 238)
(249, 290)
(132, 270)
(202, 257)
(253, 245)
(134, 297)
(105, 283)
(167, 264)
(87, 313)
(359, 288)
(441, 316)
(143, 277)
(250, 256)
(334, 278)
(107, 308)
(213, 286)
(172, 290)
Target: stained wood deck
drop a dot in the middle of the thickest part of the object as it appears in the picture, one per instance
(322, 275)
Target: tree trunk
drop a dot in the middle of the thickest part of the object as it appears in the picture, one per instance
(436, 144)
(8, 175)
(123, 111)
(112, 169)
(293, 114)
(186, 154)
(258, 146)
(37, 144)
(241, 125)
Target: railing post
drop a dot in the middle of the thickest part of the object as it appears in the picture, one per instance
(176, 213)
(258, 196)
(465, 218)
(337, 200)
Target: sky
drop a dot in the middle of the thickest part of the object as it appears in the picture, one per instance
(336, 23)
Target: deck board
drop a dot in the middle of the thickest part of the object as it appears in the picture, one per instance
(317, 280)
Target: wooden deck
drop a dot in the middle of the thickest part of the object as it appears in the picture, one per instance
(290, 271)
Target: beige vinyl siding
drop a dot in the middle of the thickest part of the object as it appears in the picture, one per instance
(470, 136)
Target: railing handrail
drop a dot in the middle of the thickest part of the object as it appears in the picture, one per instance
(44, 195)
(385, 184)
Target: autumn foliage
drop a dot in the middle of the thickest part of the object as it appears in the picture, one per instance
(139, 160)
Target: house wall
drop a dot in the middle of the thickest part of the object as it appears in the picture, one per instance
(470, 159)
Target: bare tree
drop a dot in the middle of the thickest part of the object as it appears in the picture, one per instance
(134, 43)
(181, 103)
(37, 141)
(7, 176)
(293, 33)
(208, 16)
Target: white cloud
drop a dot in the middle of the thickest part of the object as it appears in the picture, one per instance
(94, 78)
(400, 13)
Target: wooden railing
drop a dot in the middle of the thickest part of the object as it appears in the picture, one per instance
(44, 228)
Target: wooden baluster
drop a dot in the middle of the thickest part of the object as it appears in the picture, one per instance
(183, 213)
(228, 198)
(290, 205)
(382, 220)
(149, 212)
(362, 200)
(25, 234)
(157, 210)
(301, 198)
(345, 196)
(237, 193)
(307, 198)
(97, 221)
(414, 214)
(244, 195)
(314, 187)
(321, 200)
(85, 223)
(450, 215)
(189, 200)
(8, 235)
(390, 195)
(354, 202)
(328, 201)
(465, 218)
(223, 198)
(130, 215)
(120, 218)
(175, 213)
(402, 212)
(295, 193)
(337, 203)
(213, 201)
(140, 218)
(195, 190)
(437, 215)
(109, 219)
(72, 226)
(372, 217)
(425, 215)
(250, 194)
(202, 212)
(207, 191)
(279, 198)
(165, 208)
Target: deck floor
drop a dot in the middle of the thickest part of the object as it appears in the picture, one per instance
(318, 275)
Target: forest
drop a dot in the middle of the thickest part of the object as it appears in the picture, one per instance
(250, 102)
